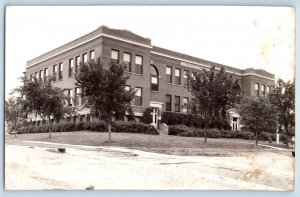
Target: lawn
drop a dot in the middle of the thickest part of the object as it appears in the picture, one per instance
(153, 143)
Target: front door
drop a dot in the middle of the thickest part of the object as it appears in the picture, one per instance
(154, 113)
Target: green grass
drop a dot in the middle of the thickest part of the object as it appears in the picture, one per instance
(153, 143)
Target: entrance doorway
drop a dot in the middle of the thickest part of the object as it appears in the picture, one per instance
(154, 113)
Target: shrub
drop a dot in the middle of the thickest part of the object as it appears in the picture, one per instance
(182, 130)
(133, 127)
(191, 120)
(130, 115)
(147, 117)
(100, 126)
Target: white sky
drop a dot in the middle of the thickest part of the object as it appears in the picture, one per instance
(242, 37)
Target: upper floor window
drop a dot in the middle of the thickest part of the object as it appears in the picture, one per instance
(61, 69)
(92, 54)
(256, 87)
(168, 102)
(185, 102)
(36, 75)
(76, 96)
(138, 96)
(139, 64)
(55, 72)
(85, 57)
(71, 67)
(115, 55)
(77, 63)
(268, 89)
(177, 76)
(169, 74)
(70, 99)
(177, 103)
(263, 92)
(185, 77)
(127, 60)
(154, 78)
(45, 74)
(41, 75)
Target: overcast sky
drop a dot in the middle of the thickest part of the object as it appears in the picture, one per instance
(242, 37)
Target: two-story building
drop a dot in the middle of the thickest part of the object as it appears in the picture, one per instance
(158, 74)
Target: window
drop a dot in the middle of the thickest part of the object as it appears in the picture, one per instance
(263, 92)
(168, 102)
(77, 63)
(41, 75)
(88, 118)
(115, 55)
(139, 64)
(256, 87)
(177, 76)
(193, 74)
(45, 74)
(154, 78)
(92, 54)
(185, 77)
(138, 96)
(70, 94)
(185, 102)
(74, 119)
(60, 73)
(84, 57)
(36, 75)
(55, 73)
(169, 74)
(81, 118)
(31, 77)
(177, 103)
(83, 99)
(71, 66)
(76, 96)
(127, 60)
(268, 89)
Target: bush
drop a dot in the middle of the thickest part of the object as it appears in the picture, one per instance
(133, 127)
(182, 130)
(100, 126)
(147, 117)
(191, 120)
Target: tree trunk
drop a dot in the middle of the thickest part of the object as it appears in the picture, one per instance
(256, 138)
(15, 125)
(205, 133)
(50, 127)
(109, 128)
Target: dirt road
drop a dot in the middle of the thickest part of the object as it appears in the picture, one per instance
(119, 168)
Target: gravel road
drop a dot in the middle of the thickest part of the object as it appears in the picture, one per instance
(34, 167)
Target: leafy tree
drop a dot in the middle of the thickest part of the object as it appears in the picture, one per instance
(130, 116)
(104, 89)
(14, 112)
(257, 113)
(283, 98)
(213, 94)
(43, 100)
(147, 117)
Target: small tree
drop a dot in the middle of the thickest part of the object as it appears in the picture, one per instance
(147, 117)
(214, 93)
(283, 99)
(43, 99)
(130, 115)
(14, 112)
(257, 113)
(104, 89)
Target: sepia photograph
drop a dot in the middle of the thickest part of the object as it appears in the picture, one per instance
(149, 98)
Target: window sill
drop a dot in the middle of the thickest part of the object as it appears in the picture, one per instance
(133, 73)
(176, 84)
